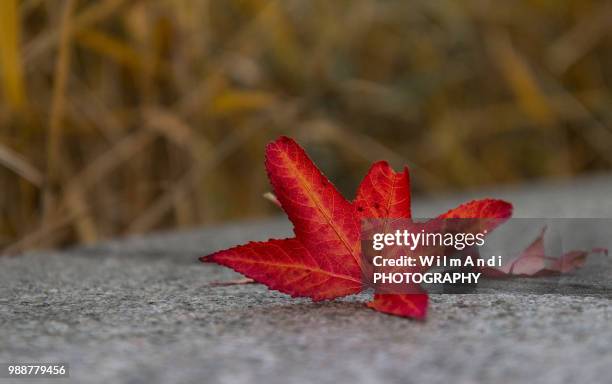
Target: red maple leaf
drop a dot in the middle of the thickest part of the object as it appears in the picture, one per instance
(323, 261)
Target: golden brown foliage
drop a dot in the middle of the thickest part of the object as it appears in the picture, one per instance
(121, 117)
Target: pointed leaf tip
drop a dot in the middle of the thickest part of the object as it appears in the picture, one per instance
(384, 193)
(289, 267)
(477, 209)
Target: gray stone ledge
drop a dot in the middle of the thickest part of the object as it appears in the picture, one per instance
(140, 310)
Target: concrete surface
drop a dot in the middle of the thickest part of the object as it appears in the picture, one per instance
(142, 311)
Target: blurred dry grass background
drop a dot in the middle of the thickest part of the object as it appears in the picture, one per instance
(121, 117)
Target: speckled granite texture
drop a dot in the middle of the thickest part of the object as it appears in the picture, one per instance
(141, 311)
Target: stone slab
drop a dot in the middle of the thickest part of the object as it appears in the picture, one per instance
(141, 310)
